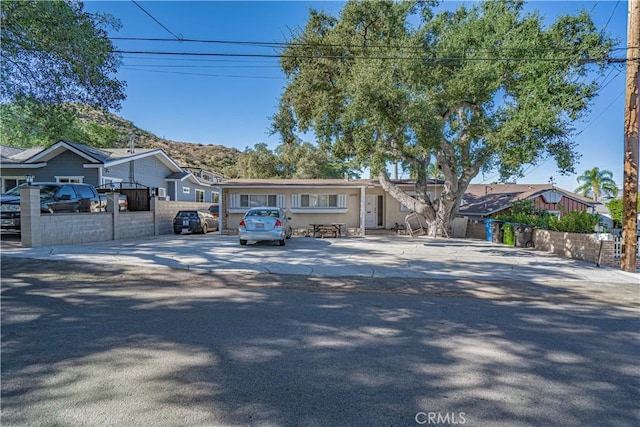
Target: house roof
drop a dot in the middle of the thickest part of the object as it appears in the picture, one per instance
(278, 182)
(96, 156)
(485, 199)
(16, 155)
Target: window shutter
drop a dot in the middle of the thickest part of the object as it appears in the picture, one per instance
(295, 200)
(342, 200)
(282, 202)
(234, 200)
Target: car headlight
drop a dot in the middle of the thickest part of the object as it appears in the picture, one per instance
(10, 208)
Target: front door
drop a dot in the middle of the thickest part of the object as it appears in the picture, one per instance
(371, 213)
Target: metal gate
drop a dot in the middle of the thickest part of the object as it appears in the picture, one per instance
(138, 195)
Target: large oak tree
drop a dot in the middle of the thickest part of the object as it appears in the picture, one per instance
(484, 88)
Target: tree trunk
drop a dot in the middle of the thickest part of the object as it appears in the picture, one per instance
(437, 216)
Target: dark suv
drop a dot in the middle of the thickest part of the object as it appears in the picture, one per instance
(54, 197)
(194, 222)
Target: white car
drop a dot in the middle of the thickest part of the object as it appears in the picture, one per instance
(261, 224)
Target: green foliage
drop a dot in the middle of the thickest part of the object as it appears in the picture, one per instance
(258, 162)
(523, 212)
(574, 222)
(395, 82)
(616, 210)
(290, 160)
(31, 124)
(595, 183)
(54, 52)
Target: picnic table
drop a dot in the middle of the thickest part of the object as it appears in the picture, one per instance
(322, 230)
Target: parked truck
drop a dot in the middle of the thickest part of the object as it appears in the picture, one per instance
(55, 197)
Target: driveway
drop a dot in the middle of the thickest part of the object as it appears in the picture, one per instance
(382, 256)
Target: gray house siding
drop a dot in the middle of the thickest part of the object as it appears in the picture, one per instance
(191, 187)
(68, 164)
(149, 171)
(12, 177)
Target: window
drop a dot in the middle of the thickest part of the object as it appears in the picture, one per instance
(215, 197)
(186, 190)
(319, 203)
(9, 183)
(66, 192)
(84, 191)
(200, 196)
(318, 200)
(255, 200)
(71, 179)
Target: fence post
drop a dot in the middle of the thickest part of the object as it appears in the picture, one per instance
(30, 229)
(155, 207)
(113, 207)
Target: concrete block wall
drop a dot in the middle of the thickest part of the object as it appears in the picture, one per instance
(568, 245)
(134, 224)
(476, 230)
(607, 256)
(73, 228)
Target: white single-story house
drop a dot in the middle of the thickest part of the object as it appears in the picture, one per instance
(359, 204)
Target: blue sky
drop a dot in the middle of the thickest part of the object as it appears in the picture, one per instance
(229, 100)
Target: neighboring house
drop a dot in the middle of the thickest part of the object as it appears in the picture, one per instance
(605, 220)
(488, 200)
(67, 161)
(358, 204)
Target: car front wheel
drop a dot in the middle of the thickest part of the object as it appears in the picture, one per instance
(243, 242)
(204, 229)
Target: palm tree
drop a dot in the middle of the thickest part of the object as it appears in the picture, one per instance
(595, 182)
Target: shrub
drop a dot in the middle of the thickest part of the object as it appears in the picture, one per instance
(574, 222)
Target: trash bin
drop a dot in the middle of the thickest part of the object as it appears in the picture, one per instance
(507, 237)
(496, 232)
(523, 235)
(488, 229)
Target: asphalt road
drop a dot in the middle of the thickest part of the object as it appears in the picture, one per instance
(89, 344)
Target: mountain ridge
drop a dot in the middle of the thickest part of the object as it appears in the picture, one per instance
(215, 158)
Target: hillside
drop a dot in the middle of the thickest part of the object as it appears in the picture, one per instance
(216, 158)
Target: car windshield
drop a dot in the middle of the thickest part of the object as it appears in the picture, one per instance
(46, 191)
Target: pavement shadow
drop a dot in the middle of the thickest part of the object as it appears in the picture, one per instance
(87, 343)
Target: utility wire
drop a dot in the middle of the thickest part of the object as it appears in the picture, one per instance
(612, 13)
(203, 74)
(178, 38)
(311, 56)
(331, 45)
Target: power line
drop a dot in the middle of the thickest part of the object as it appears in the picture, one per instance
(158, 22)
(604, 110)
(612, 13)
(342, 57)
(275, 44)
(200, 66)
(204, 74)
